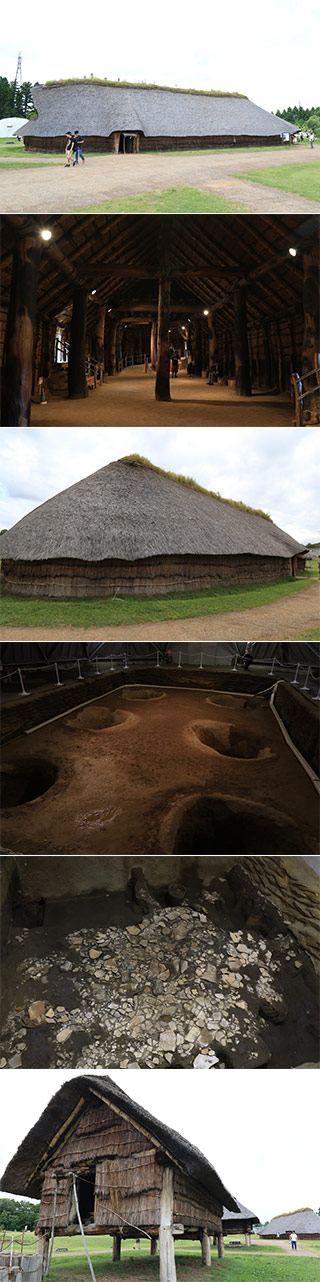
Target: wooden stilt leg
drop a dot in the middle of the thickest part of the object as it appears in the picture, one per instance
(19, 337)
(153, 1246)
(206, 1248)
(220, 1246)
(166, 1240)
(116, 1247)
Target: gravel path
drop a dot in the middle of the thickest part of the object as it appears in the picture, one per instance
(53, 188)
(301, 1250)
(282, 620)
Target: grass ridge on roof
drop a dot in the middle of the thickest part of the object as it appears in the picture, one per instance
(140, 84)
(191, 484)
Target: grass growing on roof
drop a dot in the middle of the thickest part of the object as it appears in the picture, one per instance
(88, 612)
(191, 484)
(301, 180)
(141, 84)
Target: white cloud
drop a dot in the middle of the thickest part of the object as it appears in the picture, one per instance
(275, 469)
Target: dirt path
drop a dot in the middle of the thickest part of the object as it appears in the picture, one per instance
(302, 1250)
(282, 620)
(56, 189)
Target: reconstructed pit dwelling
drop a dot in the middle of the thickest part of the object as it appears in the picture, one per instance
(169, 962)
(100, 537)
(185, 763)
(98, 1159)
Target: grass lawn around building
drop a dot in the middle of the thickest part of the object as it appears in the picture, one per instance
(249, 1267)
(170, 200)
(30, 612)
(301, 180)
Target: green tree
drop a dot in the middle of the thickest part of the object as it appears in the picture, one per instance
(16, 1215)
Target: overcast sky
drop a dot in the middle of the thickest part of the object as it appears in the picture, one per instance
(269, 53)
(259, 1129)
(276, 469)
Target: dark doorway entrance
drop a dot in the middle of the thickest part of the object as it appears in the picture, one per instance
(129, 142)
(85, 1191)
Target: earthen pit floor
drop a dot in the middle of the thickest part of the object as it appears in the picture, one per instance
(119, 790)
(128, 400)
(125, 986)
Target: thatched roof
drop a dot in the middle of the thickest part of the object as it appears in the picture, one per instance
(99, 109)
(237, 1217)
(305, 1221)
(33, 1151)
(131, 511)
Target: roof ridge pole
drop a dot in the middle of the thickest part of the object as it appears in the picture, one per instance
(17, 369)
(241, 345)
(77, 383)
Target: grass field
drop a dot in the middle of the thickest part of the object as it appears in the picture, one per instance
(262, 1262)
(29, 611)
(175, 200)
(302, 180)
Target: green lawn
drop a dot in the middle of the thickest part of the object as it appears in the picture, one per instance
(175, 200)
(136, 1267)
(29, 611)
(302, 180)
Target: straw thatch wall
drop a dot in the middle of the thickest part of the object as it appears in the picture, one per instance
(150, 577)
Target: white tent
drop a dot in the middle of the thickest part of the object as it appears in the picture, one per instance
(10, 124)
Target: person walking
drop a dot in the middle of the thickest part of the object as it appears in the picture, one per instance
(77, 147)
(68, 149)
(293, 1240)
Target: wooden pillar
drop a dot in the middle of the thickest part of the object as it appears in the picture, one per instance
(153, 345)
(205, 1248)
(220, 1246)
(99, 336)
(241, 346)
(47, 347)
(196, 349)
(20, 328)
(116, 1247)
(311, 330)
(293, 350)
(211, 338)
(166, 1239)
(111, 344)
(248, 1238)
(163, 354)
(153, 1246)
(77, 385)
(266, 355)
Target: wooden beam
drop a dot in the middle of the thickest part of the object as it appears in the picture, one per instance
(20, 329)
(166, 1239)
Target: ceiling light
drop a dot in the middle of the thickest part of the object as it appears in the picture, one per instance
(206, 313)
(293, 252)
(46, 234)
(93, 291)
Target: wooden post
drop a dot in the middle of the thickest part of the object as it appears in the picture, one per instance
(196, 349)
(99, 336)
(166, 1240)
(266, 355)
(77, 384)
(211, 338)
(220, 1246)
(19, 337)
(153, 1246)
(110, 347)
(162, 390)
(241, 346)
(153, 345)
(116, 1247)
(311, 334)
(248, 1238)
(205, 1248)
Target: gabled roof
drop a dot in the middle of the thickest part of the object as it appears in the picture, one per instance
(131, 511)
(33, 1155)
(301, 1221)
(101, 109)
(237, 1216)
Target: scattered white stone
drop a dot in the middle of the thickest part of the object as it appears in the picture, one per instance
(36, 1010)
(205, 1061)
(64, 1035)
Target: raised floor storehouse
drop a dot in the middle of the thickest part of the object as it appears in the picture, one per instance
(133, 528)
(119, 117)
(98, 1159)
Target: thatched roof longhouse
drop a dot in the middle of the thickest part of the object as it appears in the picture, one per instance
(129, 511)
(25, 1171)
(301, 1222)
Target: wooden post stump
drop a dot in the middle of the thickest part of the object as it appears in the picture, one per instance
(206, 1248)
(241, 346)
(153, 1246)
(162, 390)
(166, 1240)
(116, 1247)
(20, 328)
(220, 1246)
(77, 384)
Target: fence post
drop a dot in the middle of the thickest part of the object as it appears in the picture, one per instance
(58, 682)
(295, 682)
(270, 674)
(306, 687)
(22, 692)
(79, 677)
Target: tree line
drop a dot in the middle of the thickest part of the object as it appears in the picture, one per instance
(305, 118)
(18, 1215)
(15, 101)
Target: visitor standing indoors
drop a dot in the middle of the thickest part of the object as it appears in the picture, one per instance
(68, 149)
(293, 1240)
(77, 147)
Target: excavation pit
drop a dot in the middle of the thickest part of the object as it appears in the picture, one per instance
(219, 825)
(225, 739)
(98, 718)
(24, 781)
(142, 694)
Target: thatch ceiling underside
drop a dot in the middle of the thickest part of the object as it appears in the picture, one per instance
(121, 258)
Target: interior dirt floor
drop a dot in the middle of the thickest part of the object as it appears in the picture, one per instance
(154, 770)
(193, 976)
(128, 400)
(52, 188)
